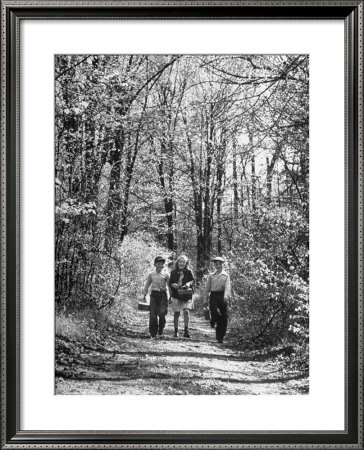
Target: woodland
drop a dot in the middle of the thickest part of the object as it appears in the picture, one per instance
(198, 154)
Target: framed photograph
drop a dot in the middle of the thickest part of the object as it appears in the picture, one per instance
(181, 224)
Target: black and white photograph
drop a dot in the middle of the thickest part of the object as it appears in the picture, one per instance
(181, 224)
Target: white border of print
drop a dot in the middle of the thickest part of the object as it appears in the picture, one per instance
(323, 407)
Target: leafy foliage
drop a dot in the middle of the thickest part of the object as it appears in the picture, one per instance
(176, 153)
(270, 303)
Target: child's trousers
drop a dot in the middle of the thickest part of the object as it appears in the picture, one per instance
(158, 311)
(219, 313)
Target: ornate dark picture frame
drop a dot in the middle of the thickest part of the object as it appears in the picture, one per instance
(12, 13)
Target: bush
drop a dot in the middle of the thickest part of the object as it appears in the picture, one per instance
(83, 326)
(136, 255)
(115, 287)
(269, 273)
(268, 307)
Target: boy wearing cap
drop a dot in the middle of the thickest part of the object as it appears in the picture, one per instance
(218, 286)
(158, 281)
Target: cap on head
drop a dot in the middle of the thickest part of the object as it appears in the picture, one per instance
(218, 258)
(159, 259)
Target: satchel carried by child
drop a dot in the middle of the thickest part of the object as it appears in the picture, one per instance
(185, 294)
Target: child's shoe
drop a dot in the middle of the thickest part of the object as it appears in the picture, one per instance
(186, 334)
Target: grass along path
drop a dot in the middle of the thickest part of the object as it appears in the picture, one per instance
(135, 364)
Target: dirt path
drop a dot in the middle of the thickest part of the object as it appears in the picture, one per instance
(136, 364)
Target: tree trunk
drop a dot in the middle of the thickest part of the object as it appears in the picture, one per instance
(220, 164)
(165, 179)
(270, 169)
(219, 226)
(253, 181)
(129, 169)
(235, 183)
(113, 207)
(208, 210)
(197, 206)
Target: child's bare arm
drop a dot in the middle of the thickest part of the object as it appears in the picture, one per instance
(207, 289)
(169, 287)
(147, 284)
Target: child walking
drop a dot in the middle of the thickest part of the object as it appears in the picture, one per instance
(181, 278)
(158, 280)
(218, 286)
